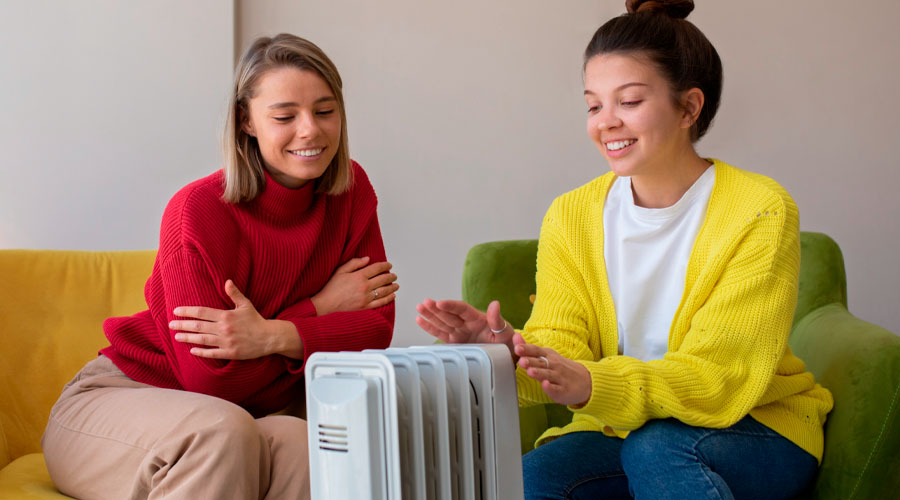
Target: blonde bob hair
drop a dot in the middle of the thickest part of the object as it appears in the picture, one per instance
(244, 166)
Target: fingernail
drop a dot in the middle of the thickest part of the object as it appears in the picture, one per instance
(177, 311)
(172, 324)
(179, 336)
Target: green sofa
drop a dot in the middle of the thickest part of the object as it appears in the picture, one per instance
(858, 361)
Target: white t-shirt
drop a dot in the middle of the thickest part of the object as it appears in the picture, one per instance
(647, 252)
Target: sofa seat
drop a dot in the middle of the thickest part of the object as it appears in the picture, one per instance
(26, 478)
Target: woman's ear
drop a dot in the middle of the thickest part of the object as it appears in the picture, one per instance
(692, 103)
(246, 125)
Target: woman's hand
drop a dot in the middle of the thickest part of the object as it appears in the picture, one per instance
(456, 322)
(563, 380)
(356, 286)
(239, 333)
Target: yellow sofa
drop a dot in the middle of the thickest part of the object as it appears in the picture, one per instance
(52, 304)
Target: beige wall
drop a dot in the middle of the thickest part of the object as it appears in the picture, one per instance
(107, 107)
(466, 114)
(469, 117)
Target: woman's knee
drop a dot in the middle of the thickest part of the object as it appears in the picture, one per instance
(538, 465)
(287, 437)
(214, 427)
(283, 426)
(584, 461)
(226, 426)
(539, 472)
(284, 431)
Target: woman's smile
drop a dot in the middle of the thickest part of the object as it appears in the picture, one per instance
(618, 148)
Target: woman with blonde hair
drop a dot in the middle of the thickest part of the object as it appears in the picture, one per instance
(665, 294)
(259, 266)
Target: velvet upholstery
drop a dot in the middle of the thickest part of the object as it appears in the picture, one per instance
(858, 361)
(26, 478)
(52, 304)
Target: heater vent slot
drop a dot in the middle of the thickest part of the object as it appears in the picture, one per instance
(334, 438)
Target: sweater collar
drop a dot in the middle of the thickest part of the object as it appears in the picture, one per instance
(284, 203)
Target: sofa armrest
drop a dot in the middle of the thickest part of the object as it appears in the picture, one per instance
(823, 279)
(860, 364)
(4, 448)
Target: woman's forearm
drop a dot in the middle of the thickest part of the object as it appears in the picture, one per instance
(286, 339)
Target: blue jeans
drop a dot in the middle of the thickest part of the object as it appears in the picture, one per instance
(667, 459)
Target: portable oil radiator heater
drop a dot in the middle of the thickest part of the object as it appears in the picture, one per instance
(435, 422)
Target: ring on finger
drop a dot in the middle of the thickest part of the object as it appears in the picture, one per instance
(500, 330)
(376, 293)
(546, 362)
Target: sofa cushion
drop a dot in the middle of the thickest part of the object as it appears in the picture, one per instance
(27, 478)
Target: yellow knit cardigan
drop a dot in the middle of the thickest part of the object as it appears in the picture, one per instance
(727, 351)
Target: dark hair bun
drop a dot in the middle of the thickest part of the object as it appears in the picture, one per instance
(679, 9)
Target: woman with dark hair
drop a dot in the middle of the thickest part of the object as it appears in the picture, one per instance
(260, 265)
(665, 295)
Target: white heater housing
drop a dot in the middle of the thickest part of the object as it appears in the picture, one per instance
(433, 422)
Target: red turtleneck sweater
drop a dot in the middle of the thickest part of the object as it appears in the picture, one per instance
(279, 249)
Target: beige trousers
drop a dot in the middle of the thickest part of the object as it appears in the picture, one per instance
(111, 437)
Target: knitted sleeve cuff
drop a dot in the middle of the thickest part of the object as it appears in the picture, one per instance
(302, 309)
(607, 390)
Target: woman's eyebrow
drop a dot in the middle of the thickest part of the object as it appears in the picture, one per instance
(279, 105)
(621, 87)
(631, 84)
